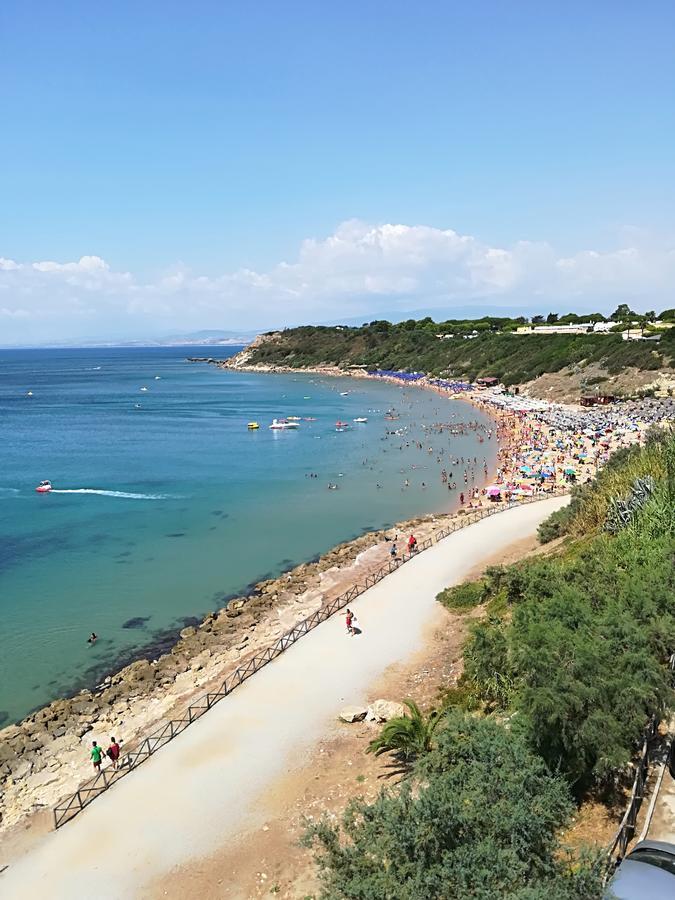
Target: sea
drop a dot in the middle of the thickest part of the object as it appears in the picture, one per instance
(165, 504)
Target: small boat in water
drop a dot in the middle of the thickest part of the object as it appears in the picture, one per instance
(252, 426)
(341, 426)
(44, 487)
(361, 420)
(294, 418)
(144, 389)
(282, 424)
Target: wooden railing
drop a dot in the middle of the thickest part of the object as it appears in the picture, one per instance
(624, 835)
(103, 780)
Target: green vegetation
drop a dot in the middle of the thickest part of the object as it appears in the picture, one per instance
(409, 736)
(578, 659)
(463, 596)
(452, 349)
(562, 677)
(479, 817)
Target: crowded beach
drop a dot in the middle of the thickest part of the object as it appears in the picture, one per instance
(544, 446)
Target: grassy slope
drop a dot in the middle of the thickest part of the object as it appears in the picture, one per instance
(513, 359)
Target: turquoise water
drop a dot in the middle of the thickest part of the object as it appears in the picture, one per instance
(213, 506)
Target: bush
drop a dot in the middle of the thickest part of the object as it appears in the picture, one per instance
(463, 596)
(479, 819)
(582, 660)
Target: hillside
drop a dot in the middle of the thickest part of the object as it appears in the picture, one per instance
(578, 361)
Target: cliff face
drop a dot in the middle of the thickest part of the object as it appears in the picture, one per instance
(246, 357)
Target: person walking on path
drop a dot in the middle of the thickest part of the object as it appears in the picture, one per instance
(349, 620)
(412, 543)
(392, 552)
(113, 753)
(96, 755)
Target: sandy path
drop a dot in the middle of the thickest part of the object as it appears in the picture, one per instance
(205, 785)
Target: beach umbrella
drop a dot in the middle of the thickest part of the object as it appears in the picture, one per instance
(526, 468)
(570, 471)
(494, 491)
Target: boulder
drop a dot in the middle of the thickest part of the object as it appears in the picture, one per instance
(384, 710)
(353, 713)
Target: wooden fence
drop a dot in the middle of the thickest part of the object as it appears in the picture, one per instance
(624, 835)
(103, 780)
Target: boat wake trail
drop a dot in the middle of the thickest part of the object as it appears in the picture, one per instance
(124, 494)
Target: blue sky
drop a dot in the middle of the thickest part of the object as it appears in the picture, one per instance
(210, 140)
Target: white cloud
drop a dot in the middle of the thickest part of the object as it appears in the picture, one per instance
(360, 270)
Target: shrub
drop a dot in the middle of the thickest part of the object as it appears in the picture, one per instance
(480, 819)
(463, 596)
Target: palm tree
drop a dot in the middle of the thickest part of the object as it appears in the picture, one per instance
(410, 736)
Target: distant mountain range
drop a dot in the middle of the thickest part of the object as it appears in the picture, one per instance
(195, 338)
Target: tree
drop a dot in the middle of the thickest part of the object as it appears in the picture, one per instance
(410, 736)
(480, 818)
(570, 319)
(551, 318)
(668, 315)
(537, 320)
(623, 313)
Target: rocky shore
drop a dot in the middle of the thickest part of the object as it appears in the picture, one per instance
(45, 757)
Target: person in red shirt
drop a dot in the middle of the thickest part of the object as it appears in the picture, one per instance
(113, 752)
(349, 619)
(412, 543)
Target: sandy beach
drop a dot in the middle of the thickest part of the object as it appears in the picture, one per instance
(208, 784)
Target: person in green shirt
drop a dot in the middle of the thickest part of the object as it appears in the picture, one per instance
(96, 755)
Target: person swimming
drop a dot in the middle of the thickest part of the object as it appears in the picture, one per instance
(93, 637)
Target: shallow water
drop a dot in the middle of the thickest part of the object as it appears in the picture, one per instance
(160, 511)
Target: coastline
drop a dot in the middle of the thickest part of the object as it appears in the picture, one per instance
(214, 779)
(43, 757)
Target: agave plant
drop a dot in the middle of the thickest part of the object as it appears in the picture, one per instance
(410, 735)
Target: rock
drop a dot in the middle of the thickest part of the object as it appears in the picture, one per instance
(353, 713)
(139, 671)
(200, 660)
(384, 710)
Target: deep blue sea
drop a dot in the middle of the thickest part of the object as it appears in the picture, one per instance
(165, 503)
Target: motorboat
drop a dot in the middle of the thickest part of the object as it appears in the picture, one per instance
(361, 420)
(343, 393)
(44, 487)
(282, 424)
(144, 389)
(252, 426)
(341, 426)
(294, 418)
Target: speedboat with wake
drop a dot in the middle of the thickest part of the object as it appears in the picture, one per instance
(44, 487)
(282, 424)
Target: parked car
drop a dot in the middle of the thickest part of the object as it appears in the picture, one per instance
(647, 873)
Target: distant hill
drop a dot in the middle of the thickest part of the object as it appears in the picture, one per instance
(557, 366)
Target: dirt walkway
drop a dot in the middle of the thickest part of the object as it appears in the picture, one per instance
(217, 779)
